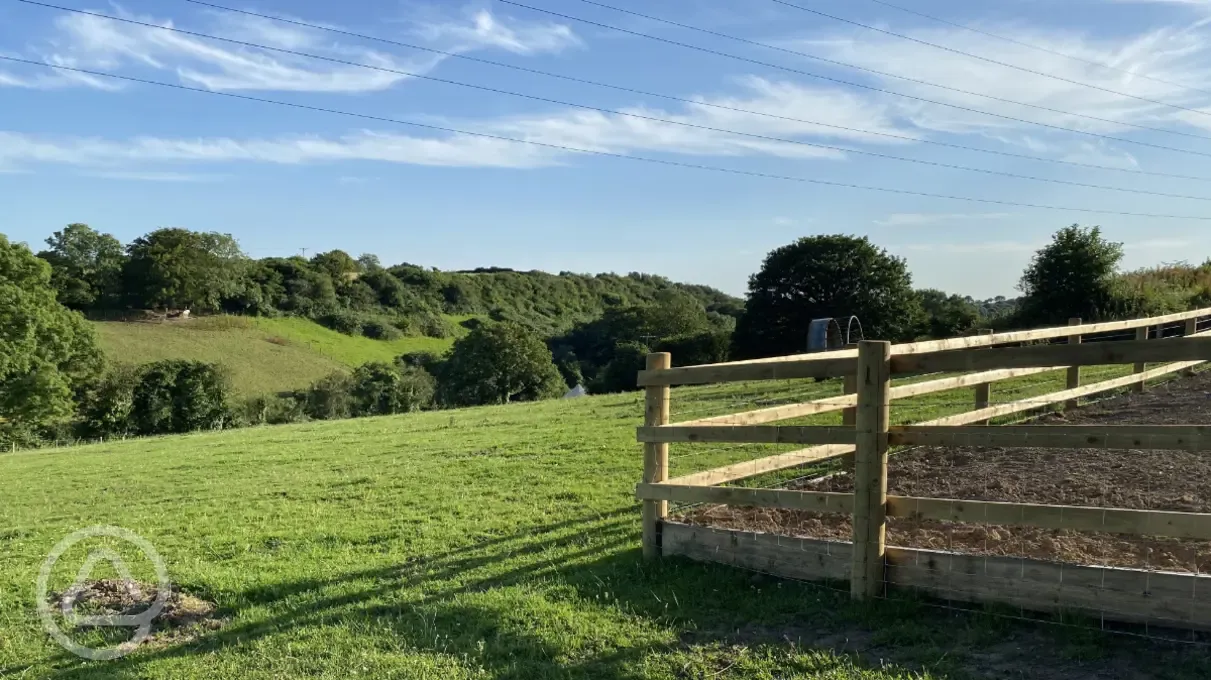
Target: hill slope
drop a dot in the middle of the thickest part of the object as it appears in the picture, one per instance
(263, 355)
(493, 542)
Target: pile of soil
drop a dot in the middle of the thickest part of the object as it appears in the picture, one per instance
(1153, 480)
(183, 615)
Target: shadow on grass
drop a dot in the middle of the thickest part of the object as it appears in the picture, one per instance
(499, 605)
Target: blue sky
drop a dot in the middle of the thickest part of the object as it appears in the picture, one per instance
(127, 158)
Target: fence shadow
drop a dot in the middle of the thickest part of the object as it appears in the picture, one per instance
(458, 603)
(456, 614)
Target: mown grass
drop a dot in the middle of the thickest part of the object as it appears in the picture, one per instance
(262, 355)
(498, 542)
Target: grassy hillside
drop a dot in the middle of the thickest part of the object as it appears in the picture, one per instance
(498, 542)
(263, 355)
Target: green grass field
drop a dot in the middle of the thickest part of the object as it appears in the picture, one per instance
(498, 542)
(263, 355)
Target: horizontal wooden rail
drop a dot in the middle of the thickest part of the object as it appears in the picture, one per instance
(819, 501)
(831, 404)
(786, 370)
(677, 375)
(1110, 520)
(760, 466)
(816, 454)
(1044, 400)
(776, 413)
(748, 434)
(1170, 437)
(1092, 354)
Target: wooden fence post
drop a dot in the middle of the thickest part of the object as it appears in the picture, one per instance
(850, 386)
(870, 469)
(1074, 372)
(1140, 334)
(1191, 329)
(655, 455)
(984, 392)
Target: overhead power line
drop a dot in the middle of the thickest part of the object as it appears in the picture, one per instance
(816, 57)
(781, 140)
(1040, 48)
(595, 152)
(695, 102)
(872, 88)
(989, 60)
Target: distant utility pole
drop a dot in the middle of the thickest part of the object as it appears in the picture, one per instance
(303, 251)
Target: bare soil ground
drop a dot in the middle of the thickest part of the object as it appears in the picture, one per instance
(182, 617)
(1156, 480)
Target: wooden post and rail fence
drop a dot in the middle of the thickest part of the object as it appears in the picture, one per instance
(866, 435)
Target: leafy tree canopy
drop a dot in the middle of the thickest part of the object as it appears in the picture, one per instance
(497, 364)
(825, 276)
(47, 352)
(182, 269)
(1072, 276)
(86, 267)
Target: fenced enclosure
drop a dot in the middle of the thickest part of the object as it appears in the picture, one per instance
(864, 444)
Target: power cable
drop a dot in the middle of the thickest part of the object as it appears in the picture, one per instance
(1023, 43)
(872, 88)
(697, 126)
(607, 154)
(987, 59)
(621, 88)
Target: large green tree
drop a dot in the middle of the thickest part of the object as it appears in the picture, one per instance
(86, 267)
(1072, 276)
(48, 353)
(825, 276)
(498, 363)
(183, 269)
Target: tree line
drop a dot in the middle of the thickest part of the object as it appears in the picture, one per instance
(541, 333)
(206, 272)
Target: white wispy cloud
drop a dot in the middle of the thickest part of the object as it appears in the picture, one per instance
(1179, 54)
(572, 128)
(17, 150)
(97, 43)
(914, 219)
(483, 29)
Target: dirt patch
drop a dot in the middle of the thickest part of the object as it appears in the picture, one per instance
(1153, 480)
(183, 617)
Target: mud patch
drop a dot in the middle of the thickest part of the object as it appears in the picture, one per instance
(184, 616)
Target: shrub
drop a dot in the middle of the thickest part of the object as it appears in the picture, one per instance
(436, 326)
(428, 361)
(380, 389)
(105, 410)
(274, 409)
(621, 373)
(380, 330)
(179, 396)
(342, 321)
(329, 397)
(708, 347)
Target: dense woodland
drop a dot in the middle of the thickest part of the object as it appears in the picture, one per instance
(525, 335)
